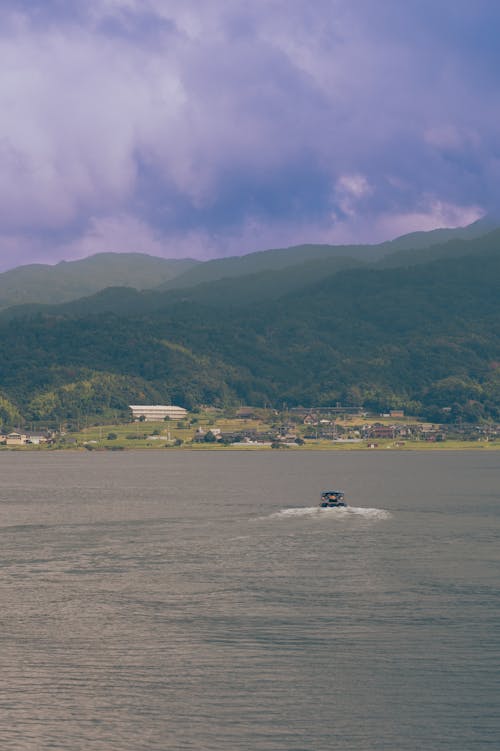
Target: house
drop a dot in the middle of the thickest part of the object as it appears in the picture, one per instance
(310, 419)
(246, 413)
(22, 439)
(15, 439)
(37, 438)
(381, 431)
(435, 435)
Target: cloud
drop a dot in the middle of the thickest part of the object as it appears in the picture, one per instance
(431, 214)
(349, 190)
(199, 125)
(118, 233)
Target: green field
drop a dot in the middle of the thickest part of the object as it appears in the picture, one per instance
(151, 435)
(179, 435)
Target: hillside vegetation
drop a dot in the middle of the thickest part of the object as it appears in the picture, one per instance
(67, 281)
(424, 337)
(39, 283)
(280, 259)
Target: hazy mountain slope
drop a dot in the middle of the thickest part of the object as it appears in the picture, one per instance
(264, 286)
(281, 258)
(252, 289)
(450, 249)
(69, 281)
(265, 260)
(422, 240)
(73, 279)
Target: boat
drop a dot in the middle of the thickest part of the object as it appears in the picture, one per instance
(332, 499)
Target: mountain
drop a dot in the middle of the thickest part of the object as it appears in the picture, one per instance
(275, 259)
(252, 288)
(281, 258)
(451, 249)
(69, 280)
(421, 240)
(424, 337)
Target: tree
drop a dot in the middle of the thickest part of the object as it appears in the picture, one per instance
(278, 445)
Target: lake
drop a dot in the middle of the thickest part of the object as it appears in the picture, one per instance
(200, 600)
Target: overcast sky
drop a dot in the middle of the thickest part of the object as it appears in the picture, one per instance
(215, 127)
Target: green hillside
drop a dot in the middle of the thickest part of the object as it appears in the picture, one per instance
(241, 291)
(426, 338)
(282, 258)
(422, 240)
(264, 272)
(70, 280)
(450, 249)
(264, 261)
(252, 288)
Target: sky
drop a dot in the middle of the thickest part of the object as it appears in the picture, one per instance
(208, 128)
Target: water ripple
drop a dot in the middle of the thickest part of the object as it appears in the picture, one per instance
(372, 514)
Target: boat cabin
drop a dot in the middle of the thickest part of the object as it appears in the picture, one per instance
(332, 498)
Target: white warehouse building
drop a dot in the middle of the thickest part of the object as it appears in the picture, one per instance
(157, 412)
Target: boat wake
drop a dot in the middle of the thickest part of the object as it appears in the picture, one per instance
(348, 512)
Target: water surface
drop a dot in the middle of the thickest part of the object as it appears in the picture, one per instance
(201, 600)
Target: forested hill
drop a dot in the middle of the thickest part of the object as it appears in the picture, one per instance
(256, 288)
(41, 283)
(68, 281)
(426, 338)
(280, 259)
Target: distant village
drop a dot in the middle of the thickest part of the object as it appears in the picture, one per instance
(343, 425)
(173, 425)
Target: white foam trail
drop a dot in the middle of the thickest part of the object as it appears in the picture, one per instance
(334, 513)
(369, 513)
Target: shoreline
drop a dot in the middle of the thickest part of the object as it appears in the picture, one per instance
(415, 447)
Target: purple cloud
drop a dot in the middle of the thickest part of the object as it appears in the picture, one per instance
(184, 128)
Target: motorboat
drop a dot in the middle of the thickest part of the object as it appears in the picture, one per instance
(332, 499)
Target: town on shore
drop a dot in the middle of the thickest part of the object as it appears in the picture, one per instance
(334, 427)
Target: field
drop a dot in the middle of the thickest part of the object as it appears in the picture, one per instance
(141, 435)
(182, 434)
